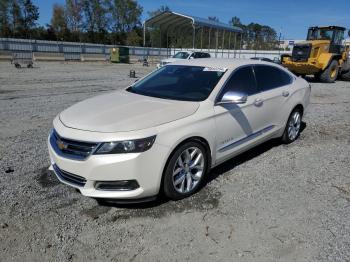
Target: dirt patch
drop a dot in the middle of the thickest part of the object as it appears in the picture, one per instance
(46, 178)
(206, 199)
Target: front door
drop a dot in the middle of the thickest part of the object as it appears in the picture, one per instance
(238, 125)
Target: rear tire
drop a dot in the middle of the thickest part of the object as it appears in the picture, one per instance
(346, 76)
(185, 170)
(330, 74)
(292, 130)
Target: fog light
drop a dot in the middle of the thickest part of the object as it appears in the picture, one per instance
(120, 185)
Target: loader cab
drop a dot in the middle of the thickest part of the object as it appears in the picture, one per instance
(334, 34)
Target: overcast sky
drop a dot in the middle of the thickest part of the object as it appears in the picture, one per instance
(291, 17)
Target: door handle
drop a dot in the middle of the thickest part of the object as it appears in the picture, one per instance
(258, 102)
(285, 93)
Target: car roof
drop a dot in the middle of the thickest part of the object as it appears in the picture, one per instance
(190, 52)
(229, 63)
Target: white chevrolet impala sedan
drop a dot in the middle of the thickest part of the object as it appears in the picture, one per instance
(166, 131)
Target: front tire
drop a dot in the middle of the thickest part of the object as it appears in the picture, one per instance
(185, 170)
(292, 130)
(330, 74)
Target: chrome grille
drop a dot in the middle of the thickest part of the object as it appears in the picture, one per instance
(69, 177)
(71, 149)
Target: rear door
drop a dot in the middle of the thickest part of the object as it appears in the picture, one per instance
(274, 85)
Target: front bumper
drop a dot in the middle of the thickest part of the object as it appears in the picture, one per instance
(146, 168)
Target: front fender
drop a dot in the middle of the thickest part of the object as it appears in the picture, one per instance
(325, 59)
(174, 134)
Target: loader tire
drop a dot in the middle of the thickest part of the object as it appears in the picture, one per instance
(346, 76)
(330, 74)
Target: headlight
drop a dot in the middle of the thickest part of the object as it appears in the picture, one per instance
(127, 146)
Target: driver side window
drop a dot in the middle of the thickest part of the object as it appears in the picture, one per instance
(242, 82)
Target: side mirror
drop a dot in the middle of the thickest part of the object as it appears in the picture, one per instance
(191, 57)
(231, 97)
(349, 33)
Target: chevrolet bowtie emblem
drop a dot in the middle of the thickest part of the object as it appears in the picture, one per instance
(61, 145)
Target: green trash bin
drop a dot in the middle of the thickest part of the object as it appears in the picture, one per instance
(124, 56)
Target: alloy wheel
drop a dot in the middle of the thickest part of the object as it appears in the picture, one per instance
(294, 125)
(188, 170)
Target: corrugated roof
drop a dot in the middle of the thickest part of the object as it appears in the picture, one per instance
(170, 20)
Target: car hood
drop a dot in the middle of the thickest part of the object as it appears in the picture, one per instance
(170, 60)
(122, 111)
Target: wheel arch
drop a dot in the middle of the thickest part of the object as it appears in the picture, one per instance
(198, 139)
(285, 135)
(329, 58)
(298, 106)
(332, 57)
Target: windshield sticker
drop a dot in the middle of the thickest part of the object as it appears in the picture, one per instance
(215, 69)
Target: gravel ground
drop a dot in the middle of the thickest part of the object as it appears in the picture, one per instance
(273, 203)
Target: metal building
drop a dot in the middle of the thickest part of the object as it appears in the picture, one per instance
(179, 23)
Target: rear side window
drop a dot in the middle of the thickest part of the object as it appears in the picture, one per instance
(242, 81)
(269, 77)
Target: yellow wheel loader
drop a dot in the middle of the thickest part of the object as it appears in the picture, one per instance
(323, 55)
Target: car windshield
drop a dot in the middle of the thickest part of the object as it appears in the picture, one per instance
(179, 82)
(181, 55)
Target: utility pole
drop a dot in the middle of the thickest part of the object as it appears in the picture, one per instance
(279, 42)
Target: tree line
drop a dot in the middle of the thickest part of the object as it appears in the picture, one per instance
(96, 21)
(256, 36)
(115, 22)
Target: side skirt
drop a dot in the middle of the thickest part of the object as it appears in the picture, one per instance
(246, 139)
